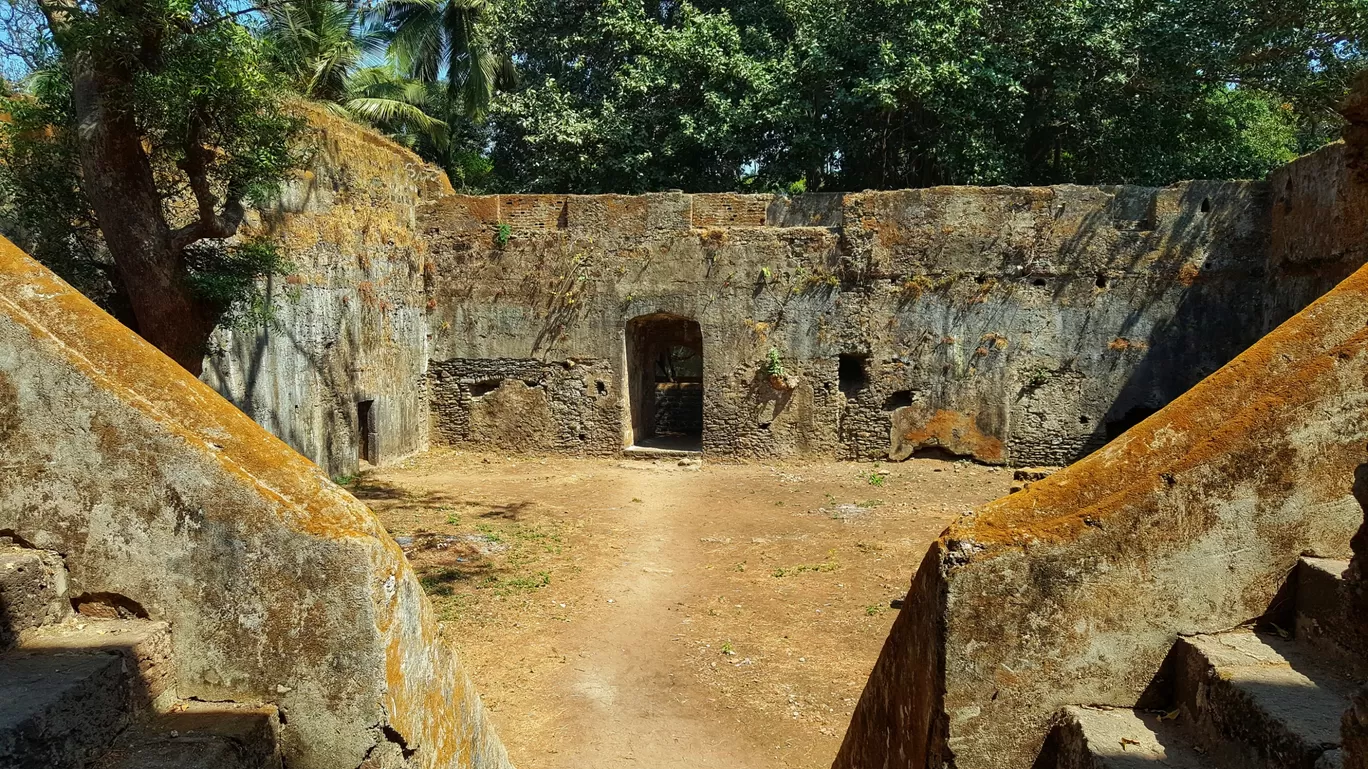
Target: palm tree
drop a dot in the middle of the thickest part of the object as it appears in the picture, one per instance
(320, 46)
(435, 39)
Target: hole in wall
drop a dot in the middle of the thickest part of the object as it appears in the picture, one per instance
(1101, 281)
(851, 373)
(937, 452)
(1206, 205)
(8, 536)
(1131, 418)
(108, 606)
(898, 400)
(1083, 420)
(481, 389)
(1038, 283)
(602, 387)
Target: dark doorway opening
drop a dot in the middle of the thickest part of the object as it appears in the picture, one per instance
(365, 430)
(851, 374)
(665, 382)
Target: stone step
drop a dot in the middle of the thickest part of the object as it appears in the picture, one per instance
(33, 592)
(67, 690)
(1119, 738)
(1259, 700)
(199, 735)
(1323, 618)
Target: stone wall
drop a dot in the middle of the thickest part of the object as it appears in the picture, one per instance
(349, 323)
(1022, 325)
(279, 587)
(1074, 590)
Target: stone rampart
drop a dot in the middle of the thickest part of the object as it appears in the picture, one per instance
(279, 587)
(1010, 325)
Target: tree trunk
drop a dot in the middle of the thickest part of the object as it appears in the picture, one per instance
(117, 178)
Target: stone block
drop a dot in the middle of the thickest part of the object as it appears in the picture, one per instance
(33, 592)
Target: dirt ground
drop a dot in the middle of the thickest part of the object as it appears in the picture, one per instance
(627, 613)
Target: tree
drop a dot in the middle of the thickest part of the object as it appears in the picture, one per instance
(447, 40)
(175, 129)
(620, 95)
(319, 46)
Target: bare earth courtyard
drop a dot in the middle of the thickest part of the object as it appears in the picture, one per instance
(620, 613)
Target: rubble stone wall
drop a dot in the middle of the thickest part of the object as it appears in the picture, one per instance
(1010, 325)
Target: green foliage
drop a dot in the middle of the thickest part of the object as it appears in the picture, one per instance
(41, 205)
(852, 94)
(447, 41)
(230, 278)
(502, 234)
(200, 92)
(319, 47)
(211, 87)
(774, 364)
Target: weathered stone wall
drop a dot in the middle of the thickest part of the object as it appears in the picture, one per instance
(279, 587)
(526, 405)
(1074, 590)
(1021, 325)
(349, 323)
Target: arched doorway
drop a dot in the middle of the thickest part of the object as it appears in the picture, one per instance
(665, 382)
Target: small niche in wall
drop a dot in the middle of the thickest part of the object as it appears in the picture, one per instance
(483, 388)
(852, 373)
(897, 400)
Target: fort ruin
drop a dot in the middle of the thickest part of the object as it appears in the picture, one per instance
(1195, 353)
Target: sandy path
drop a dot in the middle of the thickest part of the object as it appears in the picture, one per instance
(624, 614)
(631, 710)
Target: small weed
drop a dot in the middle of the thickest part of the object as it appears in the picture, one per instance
(774, 364)
(344, 480)
(502, 234)
(637, 500)
(739, 567)
(728, 649)
(874, 610)
(829, 564)
(453, 519)
(876, 477)
(1039, 377)
(489, 533)
(525, 584)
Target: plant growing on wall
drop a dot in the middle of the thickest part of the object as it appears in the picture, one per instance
(774, 364)
(502, 234)
(775, 372)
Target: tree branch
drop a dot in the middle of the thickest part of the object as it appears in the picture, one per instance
(212, 222)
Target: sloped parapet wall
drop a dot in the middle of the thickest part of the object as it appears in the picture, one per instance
(1073, 591)
(1010, 325)
(279, 587)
